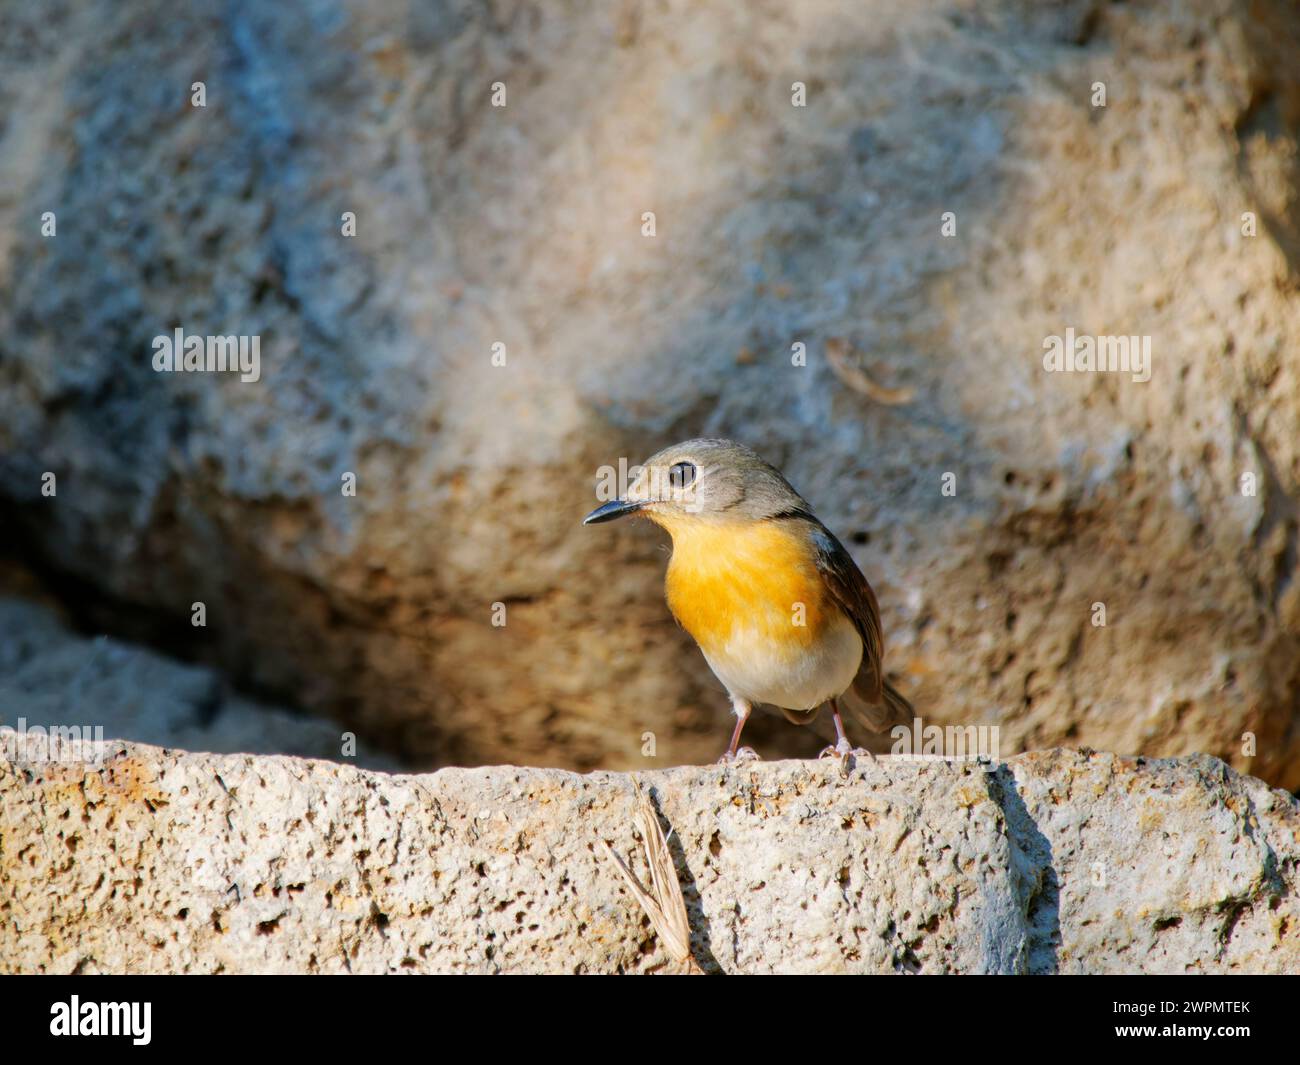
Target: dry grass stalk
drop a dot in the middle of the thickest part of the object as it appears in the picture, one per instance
(837, 354)
(666, 907)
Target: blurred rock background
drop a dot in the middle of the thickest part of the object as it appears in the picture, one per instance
(775, 225)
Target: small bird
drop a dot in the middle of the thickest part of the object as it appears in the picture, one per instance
(780, 610)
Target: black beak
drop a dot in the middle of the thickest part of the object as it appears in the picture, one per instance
(617, 509)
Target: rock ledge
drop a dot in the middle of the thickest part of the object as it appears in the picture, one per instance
(1056, 861)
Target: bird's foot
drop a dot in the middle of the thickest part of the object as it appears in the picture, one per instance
(745, 754)
(844, 751)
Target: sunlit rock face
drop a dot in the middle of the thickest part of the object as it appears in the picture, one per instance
(951, 195)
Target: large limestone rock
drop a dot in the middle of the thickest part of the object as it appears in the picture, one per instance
(1058, 861)
(775, 225)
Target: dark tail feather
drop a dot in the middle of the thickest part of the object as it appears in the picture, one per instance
(900, 706)
(890, 709)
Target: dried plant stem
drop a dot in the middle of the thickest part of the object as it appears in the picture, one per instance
(837, 354)
(666, 907)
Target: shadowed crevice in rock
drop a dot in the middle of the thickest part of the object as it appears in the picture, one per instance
(52, 678)
(1271, 118)
(701, 926)
(1034, 872)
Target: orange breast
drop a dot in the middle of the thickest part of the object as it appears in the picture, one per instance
(755, 576)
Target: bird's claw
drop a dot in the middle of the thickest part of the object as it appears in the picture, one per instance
(843, 751)
(744, 754)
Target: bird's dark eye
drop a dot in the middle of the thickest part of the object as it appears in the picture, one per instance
(681, 474)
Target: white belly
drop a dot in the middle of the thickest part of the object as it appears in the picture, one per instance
(801, 678)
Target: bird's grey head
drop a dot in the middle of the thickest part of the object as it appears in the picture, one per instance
(704, 480)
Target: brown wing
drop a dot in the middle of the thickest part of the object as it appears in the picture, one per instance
(871, 698)
(850, 589)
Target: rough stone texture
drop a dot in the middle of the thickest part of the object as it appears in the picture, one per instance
(51, 678)
(1057, 861)
(775, 224)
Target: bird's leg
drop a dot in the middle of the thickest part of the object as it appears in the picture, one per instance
(742, 708)
(843, 748)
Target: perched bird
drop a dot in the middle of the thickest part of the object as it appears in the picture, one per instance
(779, 608)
